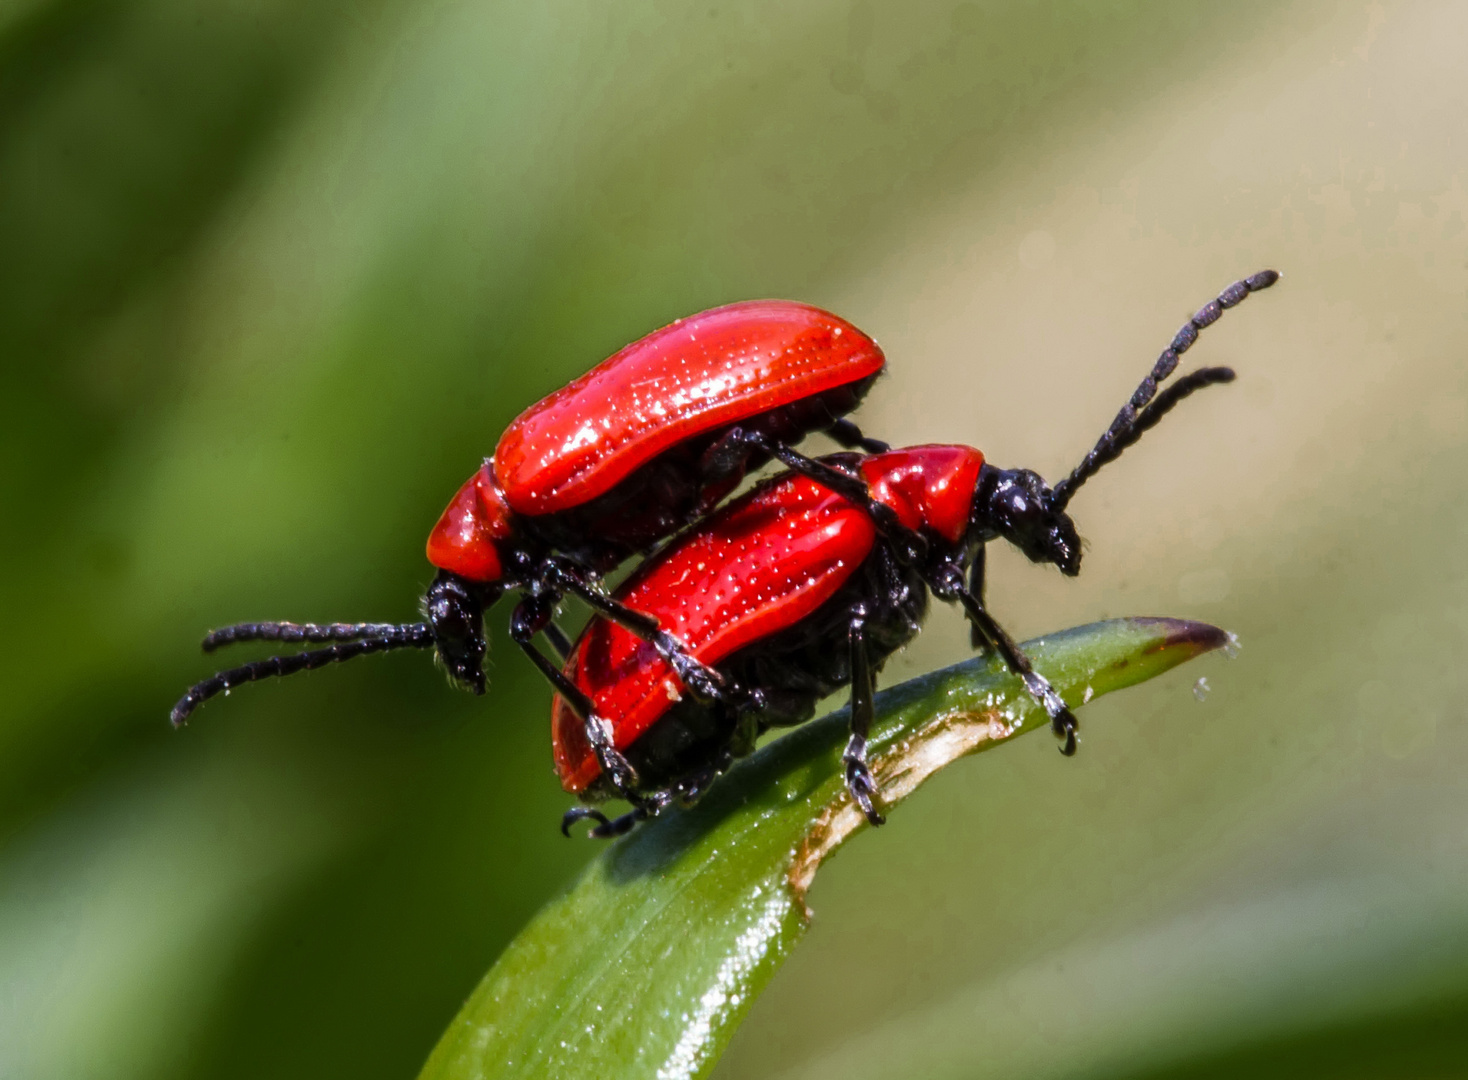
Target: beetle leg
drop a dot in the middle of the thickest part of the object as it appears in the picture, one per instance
(849, 435)
(845, 484)
(620, 826)
(1062, 720)
(690, 788)
(977, 638)
(563, 576)
(686, 791)
(703, 682)
(558, 640)
(858, 776)
(610, 828)
(529, 618)
(581, 813)
(909, 546)
(606, 828)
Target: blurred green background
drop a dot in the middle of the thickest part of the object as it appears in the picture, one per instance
(273, 276)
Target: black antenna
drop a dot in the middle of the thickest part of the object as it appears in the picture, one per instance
(1136, 417)
(354, 640)
(289, 631)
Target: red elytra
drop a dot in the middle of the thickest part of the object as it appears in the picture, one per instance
(603, 470)
(689, 378)
(614, 461)
(761, 565)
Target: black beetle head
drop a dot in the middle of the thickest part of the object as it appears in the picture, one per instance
(455, 612)
(1017, 505)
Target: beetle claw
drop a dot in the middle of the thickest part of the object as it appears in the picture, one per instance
(1065, 728)
(862, 785)
(582, 813)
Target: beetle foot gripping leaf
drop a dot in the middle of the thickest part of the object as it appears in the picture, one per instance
(648, 964)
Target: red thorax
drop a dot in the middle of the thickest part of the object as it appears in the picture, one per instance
(466, 539)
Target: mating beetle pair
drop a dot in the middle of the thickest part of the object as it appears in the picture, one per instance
(645, 443)
(806, 584)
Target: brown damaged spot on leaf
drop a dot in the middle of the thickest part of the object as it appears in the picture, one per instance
(900, 770)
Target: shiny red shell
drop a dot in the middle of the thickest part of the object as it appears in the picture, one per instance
(761, 564)
(698, 374)
(464, 541)
(930, 486)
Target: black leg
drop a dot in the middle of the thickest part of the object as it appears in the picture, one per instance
(1062, 720)
(976, 636)
(908, 545)
(736, 444)
(858, 776)
(528, 619)
(607, 828)
(691, 788)
(847, 434)
(685, 791)
(558, 640)
(583, 813)
(703, 682)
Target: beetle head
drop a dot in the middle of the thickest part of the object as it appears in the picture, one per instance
(1017, 505)
(455, 610)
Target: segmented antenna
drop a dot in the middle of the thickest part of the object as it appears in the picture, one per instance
(289, 631)
(1135, 416)
(384, 638)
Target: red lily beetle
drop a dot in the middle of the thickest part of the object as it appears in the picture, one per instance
(640, 446)
(795, 590)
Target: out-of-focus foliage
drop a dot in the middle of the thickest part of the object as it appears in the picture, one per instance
(276, 275)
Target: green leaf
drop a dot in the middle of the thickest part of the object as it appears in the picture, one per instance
(650, 961)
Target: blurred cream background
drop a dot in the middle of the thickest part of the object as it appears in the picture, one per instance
(1291, 855)
(277, 274)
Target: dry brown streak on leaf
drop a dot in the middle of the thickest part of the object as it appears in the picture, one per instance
(900, 770)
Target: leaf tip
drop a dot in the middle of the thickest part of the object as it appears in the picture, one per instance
(1184, 635)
